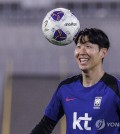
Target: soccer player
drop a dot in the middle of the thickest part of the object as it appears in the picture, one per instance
(90, 100)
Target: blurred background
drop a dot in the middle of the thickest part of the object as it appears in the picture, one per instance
(31, 68)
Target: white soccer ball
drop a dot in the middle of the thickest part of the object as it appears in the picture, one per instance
(60, 26)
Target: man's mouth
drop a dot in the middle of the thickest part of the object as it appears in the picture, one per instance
(83, 60)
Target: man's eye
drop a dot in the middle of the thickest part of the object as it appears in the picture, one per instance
(78, 46)
(88, 46)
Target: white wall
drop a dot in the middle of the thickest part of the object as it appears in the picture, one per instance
(26, 48)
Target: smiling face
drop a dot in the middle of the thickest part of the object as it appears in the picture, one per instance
(88, 55)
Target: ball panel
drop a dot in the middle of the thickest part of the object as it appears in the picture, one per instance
(57, 15)
(59, 35)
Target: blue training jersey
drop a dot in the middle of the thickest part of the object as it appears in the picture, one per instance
(88, 110)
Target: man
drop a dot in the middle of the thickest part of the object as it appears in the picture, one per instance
(91, 100)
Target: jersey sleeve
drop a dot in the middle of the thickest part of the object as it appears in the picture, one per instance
(54, 109)
(45, 126)
(118, 97)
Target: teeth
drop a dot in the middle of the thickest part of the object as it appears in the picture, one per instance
(83, 60)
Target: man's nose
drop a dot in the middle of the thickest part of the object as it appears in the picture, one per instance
(82, 50)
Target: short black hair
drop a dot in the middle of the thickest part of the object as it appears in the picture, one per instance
(95, 36)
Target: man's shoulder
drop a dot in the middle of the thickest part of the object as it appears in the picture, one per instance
(70, 80)
(112, 82)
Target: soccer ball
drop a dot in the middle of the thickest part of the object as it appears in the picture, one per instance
(60, 26)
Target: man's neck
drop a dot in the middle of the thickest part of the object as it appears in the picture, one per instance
(92, 77)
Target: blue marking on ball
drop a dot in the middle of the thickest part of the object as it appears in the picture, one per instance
(57, 15)
(59, 35)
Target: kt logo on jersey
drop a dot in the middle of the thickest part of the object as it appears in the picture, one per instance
(77, 121)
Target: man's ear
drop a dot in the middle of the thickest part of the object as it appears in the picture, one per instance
(103, 52)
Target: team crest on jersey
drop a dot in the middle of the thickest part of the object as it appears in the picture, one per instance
(97, 102)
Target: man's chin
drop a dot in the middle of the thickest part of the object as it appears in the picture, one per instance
(85, 70)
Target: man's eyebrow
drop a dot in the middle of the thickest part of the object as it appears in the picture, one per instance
(83, 42)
